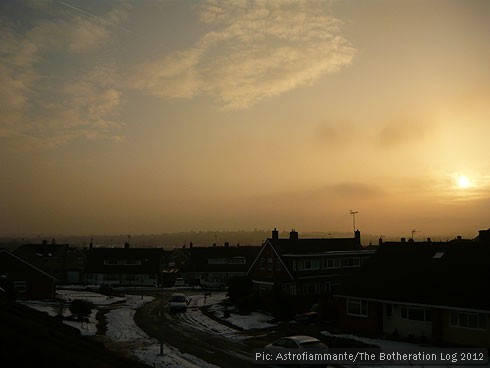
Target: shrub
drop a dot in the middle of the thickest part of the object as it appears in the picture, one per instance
(82, 308)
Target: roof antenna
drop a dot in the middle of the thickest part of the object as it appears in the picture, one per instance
(353, 213)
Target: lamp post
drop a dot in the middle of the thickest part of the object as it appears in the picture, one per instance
(161, 308)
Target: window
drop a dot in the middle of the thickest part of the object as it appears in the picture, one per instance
(308, 264)
(438, 255)
(389, 311)
(278, 265)
(351, 262)
(269, 264)
(122, 262)
(468, 320)
(357, 307)
(237, 260)
(20, 286)
(217, 261)
(262, 263)
(416, 314)
(133, 262)
(333, 263)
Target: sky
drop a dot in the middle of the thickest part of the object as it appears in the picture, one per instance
(167, 116)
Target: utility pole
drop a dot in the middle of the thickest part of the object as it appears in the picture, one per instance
(353, 213)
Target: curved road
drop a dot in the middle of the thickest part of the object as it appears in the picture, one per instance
(190, 336)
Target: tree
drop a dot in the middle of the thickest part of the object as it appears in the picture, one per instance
(82, 308)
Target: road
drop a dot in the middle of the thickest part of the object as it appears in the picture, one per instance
(190, 336)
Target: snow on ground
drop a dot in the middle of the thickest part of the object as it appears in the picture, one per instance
(95, 298)
(382, 343)
(198, 320)
(392, 345)
(120, 321)
(244, 322)
(122, 328)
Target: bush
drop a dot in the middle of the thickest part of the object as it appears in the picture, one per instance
(239, 287)
(82, 308)
(106, 290)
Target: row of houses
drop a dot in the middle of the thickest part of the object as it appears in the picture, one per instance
(301, 266)
(430, 291)
(427, 291)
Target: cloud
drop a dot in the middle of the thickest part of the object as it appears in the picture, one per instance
(42, 108)
(252, 51)
(404, 131)
(355, 190)
(335, 134)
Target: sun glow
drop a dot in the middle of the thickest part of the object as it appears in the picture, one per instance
(463, 182)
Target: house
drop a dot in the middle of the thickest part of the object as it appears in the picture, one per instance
(306, 266)
(217, 263)
(429, 291)
(124, 266)
(21, 280)
(63, 262)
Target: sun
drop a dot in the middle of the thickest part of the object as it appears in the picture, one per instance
(463, 182)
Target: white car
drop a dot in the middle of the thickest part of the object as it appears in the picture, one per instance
(178, 303)
(298, 343)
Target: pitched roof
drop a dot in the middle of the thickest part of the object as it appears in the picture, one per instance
(442, 274)
(45, 250)
(5, 251)
(199, 258)
(318, 245)
(150, 259)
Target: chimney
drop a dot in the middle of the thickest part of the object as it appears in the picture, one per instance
(126, 245)
(429, 240)
(357, 236)
(275, 234)
(293, 235)
(191, 245)
(380, 241)
(458, 237)
(484, 236)
(227, 244)
(402, 240)
(91, 245)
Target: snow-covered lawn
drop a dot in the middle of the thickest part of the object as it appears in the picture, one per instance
(244, 322)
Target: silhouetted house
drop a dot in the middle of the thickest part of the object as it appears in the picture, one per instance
(124, 266)
(63, 262)
(306, 266)
(21, 280)
(217, 263)
(432, 291)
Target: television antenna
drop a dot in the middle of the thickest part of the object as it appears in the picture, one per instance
(353, 213)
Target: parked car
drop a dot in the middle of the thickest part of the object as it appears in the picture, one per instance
(178, 303)
(179, 281)
(297, 343)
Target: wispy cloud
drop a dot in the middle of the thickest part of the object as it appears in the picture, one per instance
(404, 131)
(42, 108)
(251, 51)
